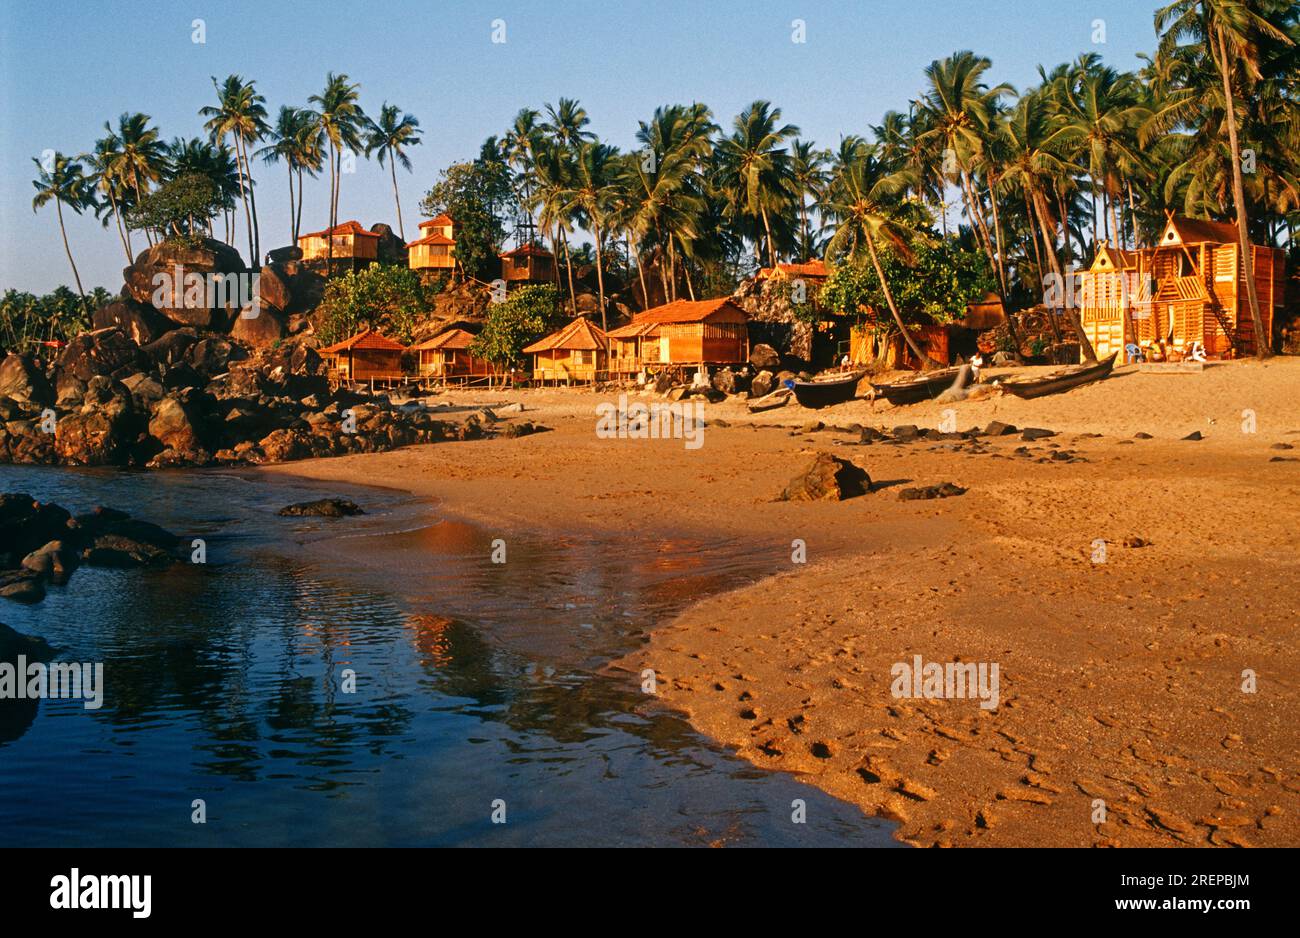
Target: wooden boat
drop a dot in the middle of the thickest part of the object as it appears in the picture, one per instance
(925, 386)
(825, 390)
(778, 398)
(1057, 381)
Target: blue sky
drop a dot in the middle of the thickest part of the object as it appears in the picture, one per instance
(67, 68)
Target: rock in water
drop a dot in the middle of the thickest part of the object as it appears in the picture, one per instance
(827, 478)
(321, 508)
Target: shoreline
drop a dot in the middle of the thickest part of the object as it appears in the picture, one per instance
(1119, 680)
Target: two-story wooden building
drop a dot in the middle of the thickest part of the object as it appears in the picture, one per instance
(436, 247)
(528, 263)
(1188, 289)
(366, 356)
(354, 246)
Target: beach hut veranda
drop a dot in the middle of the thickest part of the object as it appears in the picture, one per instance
(576, 354)
(446, 358)
(365, 357)
(681, 334)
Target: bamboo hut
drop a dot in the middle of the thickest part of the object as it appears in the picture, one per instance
(446, 357)
(353, 244)
(366, 356)
(527, 263)
(682, 333)
(1187, 290)
(436, 248)
(577, 354)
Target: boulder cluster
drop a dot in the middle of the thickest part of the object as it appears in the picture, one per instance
(44, 543)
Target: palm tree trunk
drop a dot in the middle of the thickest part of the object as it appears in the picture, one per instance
(243, 192)
(252, 198)
(568, 268)
(640, 272)
(767, 230)
(997, 231)
(393, 168)
(297, 223)
(977, 220)
(121, 232)
(291, 231)
(600, 279)
(329, 234)
(927, 363)
(1089, 354)
(58, 208)
(1262, 339)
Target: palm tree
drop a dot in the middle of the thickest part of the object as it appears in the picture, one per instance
(214, 162)
(592, 198)
(241, 114)
(64, 183)
(389, 136)
(340, 119)
(755, 169)
(863, 205)
(292, 142)
(1228, 33)
(808, 169)
(139, 156)
(103, 176)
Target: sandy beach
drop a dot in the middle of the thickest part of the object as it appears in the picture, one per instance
(1148, 694)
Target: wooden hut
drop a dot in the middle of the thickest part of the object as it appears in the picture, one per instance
(871, 344)
(352, 244)
(707, 332)
(575, 355)
(436, 248)
(527, 263)
(366, 356)
(1187, 289)
(447, 357)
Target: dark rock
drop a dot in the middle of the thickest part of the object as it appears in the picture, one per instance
(177, 259)
(212, 356)
(322, 508)
(100, 352)
(173, 424)
(907, 431)
(1194, 435)
(284, 255)
(21, 380)
(828, 478)
(943, 490)
(140, 321)
(273, 289)
(764, 383)
(26, 525)
(172, 348)
(724, 380)
(258, 328)
(1143, 436)
(998, 428)
(764, 358)
(524, 428)
(1036, 433)
(22, 586)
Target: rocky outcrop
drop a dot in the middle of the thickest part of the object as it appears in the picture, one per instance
(22, 380)
(161, 277)
(827, 478)
(321, 508)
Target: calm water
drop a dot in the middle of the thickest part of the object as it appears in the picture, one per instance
(475, 682)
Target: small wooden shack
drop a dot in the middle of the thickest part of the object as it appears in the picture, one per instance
(436, 248)
(527, 263)
(1189, 288)
(351, 243)
(869, 343)
(446, 356)
(705, 332)
(366, 356)
(577, 354)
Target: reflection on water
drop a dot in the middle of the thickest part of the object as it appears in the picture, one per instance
(474, 681)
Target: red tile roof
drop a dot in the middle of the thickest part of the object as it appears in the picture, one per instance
(435, 238)
(438, 222)
(367, 339)
(452, 338)
(344, 227)
(632, 330)
(813, 268)
(687, 311)
(582, 333)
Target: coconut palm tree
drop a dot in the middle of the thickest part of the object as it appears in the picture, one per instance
(339, 118)
(63, 183)
(808, 169)
(102, 162)
(864, 207)
(240, 113)
(755, 169)
(1232, 36)
(214, 162)
(591, 198)
(389, 136)
(292, 142)
(139, 156)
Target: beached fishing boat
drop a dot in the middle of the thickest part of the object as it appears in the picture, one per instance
(1057, 381)
(925, 386)
(778, 398)
(825, 390)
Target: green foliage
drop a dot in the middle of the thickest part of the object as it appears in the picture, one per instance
(475, 195)
(936, 287)
(181, 207)
(26, 318)
(384, 297)
(522, 318)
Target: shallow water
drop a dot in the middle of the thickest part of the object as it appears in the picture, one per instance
(474, 682)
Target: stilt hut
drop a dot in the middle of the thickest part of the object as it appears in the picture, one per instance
(527, 263)
(436, 248)
(447, 357)
(577, 354)
(707, 332)
(633, 347)
(1187, 290)
(353, 244)
(366, 356)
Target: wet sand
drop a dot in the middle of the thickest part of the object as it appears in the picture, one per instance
(1121, 719)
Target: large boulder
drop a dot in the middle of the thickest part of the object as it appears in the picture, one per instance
(273, 288)
(22, 380)
(162, 276)
(103, 431)
(100, 352)
(258, 328)
(391, 248)
(764, 357)
(177, 424)
(26, 524)
(140, 321)
(827, 478)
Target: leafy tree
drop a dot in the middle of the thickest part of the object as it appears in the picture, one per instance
(181, 207)
(475, 195)
(523, 317)
(384, 297)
